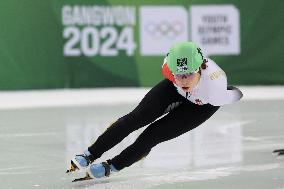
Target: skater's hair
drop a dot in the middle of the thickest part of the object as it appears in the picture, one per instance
(203, 65)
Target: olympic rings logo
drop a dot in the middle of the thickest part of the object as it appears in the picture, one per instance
(165, 28)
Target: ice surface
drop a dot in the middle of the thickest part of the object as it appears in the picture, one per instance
(231, 150)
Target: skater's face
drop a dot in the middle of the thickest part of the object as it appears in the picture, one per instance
(187, 81)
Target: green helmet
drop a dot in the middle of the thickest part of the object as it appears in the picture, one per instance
(184, 58)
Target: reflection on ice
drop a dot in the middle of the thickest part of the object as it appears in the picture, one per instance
(217, 142)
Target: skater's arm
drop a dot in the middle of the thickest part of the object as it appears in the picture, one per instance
(219, 93)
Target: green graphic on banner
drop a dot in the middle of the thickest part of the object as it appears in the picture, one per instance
(75, 44)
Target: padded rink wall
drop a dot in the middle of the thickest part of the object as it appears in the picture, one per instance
(85, 44)
(11, 100)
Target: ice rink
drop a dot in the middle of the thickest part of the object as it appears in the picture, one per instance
(40, 132)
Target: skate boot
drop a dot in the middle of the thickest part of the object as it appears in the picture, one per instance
(100, 170)
(81, 161)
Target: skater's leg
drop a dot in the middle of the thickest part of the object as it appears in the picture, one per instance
(180, 120)
(152, 106)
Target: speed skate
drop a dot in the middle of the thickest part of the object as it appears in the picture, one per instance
(74, 168)
(93, 171)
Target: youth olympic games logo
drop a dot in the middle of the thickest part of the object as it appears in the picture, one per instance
(164, 29)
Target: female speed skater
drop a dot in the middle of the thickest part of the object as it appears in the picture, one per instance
(194, 88)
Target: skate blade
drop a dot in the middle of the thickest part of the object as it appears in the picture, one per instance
(72, 168)
(278, 151)
(87, 177)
